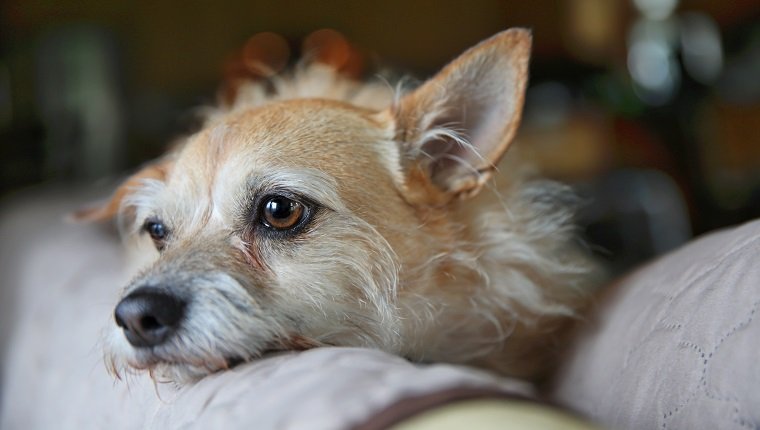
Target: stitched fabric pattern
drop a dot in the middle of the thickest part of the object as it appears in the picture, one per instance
(678, 347)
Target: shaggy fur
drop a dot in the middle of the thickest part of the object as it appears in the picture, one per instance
(412, 248)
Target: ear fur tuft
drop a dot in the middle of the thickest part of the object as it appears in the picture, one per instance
(454, 129)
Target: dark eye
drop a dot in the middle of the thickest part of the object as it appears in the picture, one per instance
(157, 231)
(281, 213)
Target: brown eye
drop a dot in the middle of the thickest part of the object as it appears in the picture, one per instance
(281, 213)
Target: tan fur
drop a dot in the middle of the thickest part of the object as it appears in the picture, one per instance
(415, 250)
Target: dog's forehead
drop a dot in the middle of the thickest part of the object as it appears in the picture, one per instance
(348, 144)
(309, 133)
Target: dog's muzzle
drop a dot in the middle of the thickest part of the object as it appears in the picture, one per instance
(149, 316)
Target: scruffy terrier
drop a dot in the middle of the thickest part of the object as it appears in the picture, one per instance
(316, 210)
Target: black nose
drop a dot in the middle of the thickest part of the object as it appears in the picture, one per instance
(149, 316)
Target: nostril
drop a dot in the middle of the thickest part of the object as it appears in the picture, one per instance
(148, 316)
(150, 323)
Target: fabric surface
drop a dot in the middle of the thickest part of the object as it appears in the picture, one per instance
(677, 345)
(59, 284)
(323, 388)
(494, 415)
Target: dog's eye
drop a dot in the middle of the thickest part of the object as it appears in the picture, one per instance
(281, 213)
(157, 231)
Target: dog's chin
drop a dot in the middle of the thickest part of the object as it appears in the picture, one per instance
(170, 371)
(164, 365)
(182, 373)
(186, 373)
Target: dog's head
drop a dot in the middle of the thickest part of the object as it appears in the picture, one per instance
(307, 222)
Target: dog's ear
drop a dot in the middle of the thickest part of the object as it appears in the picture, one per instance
(454, 129)
(108, 209)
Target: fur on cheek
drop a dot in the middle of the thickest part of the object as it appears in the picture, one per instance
(341, 285)
(511, 283)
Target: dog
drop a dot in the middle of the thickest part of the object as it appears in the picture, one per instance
(315, 210)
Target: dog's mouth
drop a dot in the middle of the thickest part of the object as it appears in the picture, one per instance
(293, 343)
(172, 366)
(232, 362)
(223, 363)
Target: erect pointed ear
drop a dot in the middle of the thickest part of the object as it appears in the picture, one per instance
(454, 129)
(157, 169)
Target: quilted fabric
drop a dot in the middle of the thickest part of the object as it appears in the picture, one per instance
(678, 345)
(324, 388)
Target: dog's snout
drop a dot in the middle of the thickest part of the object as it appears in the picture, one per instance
(149, 316)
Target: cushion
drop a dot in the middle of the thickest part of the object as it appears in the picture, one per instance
(676, 345)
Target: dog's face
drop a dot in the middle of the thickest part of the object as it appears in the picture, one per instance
(269, 241)
(308, 222)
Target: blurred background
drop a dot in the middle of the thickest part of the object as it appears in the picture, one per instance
(651, 108)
